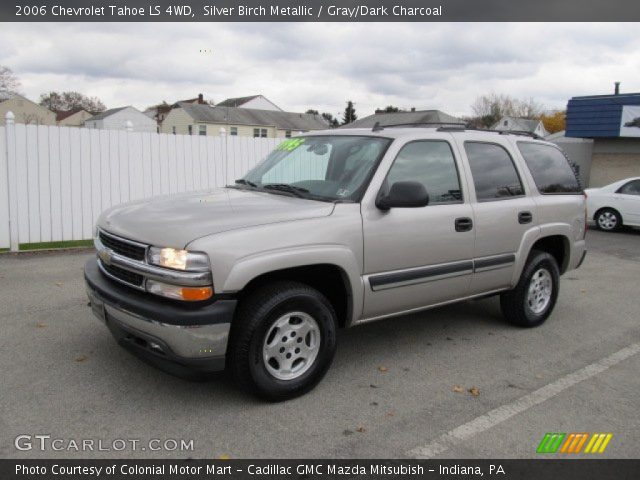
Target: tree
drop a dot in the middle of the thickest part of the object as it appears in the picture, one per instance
(554, 121)
(8, 80)
(390, 109)
(65, 101)
(333, 122)
(490, 108)
(349, 113)
(311, 111)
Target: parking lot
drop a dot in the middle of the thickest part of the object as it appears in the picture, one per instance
(397, 388)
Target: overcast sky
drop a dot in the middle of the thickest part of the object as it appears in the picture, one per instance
(309, 65)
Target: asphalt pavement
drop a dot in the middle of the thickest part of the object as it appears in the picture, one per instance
(447, 383)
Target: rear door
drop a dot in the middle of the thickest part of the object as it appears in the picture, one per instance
(502, 210)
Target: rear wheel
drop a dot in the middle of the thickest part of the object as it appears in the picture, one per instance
(608, 220)
(531, 302)
(283, 340)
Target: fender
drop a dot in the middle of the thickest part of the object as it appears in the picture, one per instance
(532, 236)
(252, 266)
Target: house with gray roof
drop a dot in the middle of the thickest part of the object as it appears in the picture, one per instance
(521, 125)
(256, 102)
(117, 118)
(430, 117)
(196, 119)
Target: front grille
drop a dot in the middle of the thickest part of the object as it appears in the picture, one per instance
(124, 275)
(126, 249)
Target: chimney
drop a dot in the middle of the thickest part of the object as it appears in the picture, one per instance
(200, 98)
(413, 109)
(617, 91)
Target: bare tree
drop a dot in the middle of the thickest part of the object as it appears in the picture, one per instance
(8, 80)
(488, 109)
(65, 101)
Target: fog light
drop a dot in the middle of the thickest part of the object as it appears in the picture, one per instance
(177, 292)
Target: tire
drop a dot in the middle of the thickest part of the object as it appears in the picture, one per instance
(267, 354)
(531, 302)
(608, 220)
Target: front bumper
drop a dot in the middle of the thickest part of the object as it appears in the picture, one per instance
(176, 338)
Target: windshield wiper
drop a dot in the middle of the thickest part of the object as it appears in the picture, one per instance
(285, 187)
(242, 181)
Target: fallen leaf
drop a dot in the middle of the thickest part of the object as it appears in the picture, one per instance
(390, 414)
(539, 375)
(383, 369)
(361, 429)
(373, 386)
(405, 369)
(474, 391)
(374, 404)
(81, 358)
(458, 389)
(41, 325)
(224, 456)
(58, 284)
(582, 290)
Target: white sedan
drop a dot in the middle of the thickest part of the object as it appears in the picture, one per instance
(615, 205)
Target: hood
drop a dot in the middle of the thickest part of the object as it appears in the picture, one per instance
(175, 221)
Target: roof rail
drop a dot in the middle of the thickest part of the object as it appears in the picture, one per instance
(378, 127)
(455, 127)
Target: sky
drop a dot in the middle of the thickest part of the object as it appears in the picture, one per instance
(321, 65)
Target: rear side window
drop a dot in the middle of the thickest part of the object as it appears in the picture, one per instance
(432, 164)
(549, 168)
(494, 174)
(631, 188)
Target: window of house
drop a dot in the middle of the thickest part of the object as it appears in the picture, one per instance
(190, 129)
(432, 164)
(256, 133)
(173, 129)
(234, 131)
(494, 174)
(287, 134)
(263, 132)
(505, 123)
(202, 129)
(549, 168)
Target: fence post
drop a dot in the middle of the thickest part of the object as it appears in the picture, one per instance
(128, 126)
(14, 240)
(223, 136)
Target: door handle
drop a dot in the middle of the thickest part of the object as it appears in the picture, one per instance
(463, 224)
(525, 217)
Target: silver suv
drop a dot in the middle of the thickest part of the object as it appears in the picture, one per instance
(331, 230)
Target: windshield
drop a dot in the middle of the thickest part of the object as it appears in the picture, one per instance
(323, 167)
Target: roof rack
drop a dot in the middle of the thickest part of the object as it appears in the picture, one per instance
(455, 127)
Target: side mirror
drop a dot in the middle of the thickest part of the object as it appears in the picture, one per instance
(404, 195)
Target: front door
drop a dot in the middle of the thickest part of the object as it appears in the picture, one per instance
(415, 257)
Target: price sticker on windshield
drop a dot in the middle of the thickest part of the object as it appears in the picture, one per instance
(290, 145)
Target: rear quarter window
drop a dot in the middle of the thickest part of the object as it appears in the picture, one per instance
(549, 168)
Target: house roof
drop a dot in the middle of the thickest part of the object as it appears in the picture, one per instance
(236, 101)
(106, 113)
(62, 114)
(251, 116)
(395, 118)
(598, 115)
(6, 95)
(524, 124)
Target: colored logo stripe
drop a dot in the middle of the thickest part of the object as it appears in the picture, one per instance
(550, 442)
(598, 443)
(573, 443)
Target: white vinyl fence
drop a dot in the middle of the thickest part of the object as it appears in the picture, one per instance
(55, 181)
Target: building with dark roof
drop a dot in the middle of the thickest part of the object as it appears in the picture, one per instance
(432, 117)
(255, 102)
(613, 122)
(195, 119)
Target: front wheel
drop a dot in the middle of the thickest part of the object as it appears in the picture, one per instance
(531, 302)
(282, 341)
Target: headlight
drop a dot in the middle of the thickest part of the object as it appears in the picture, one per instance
(179, 259)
